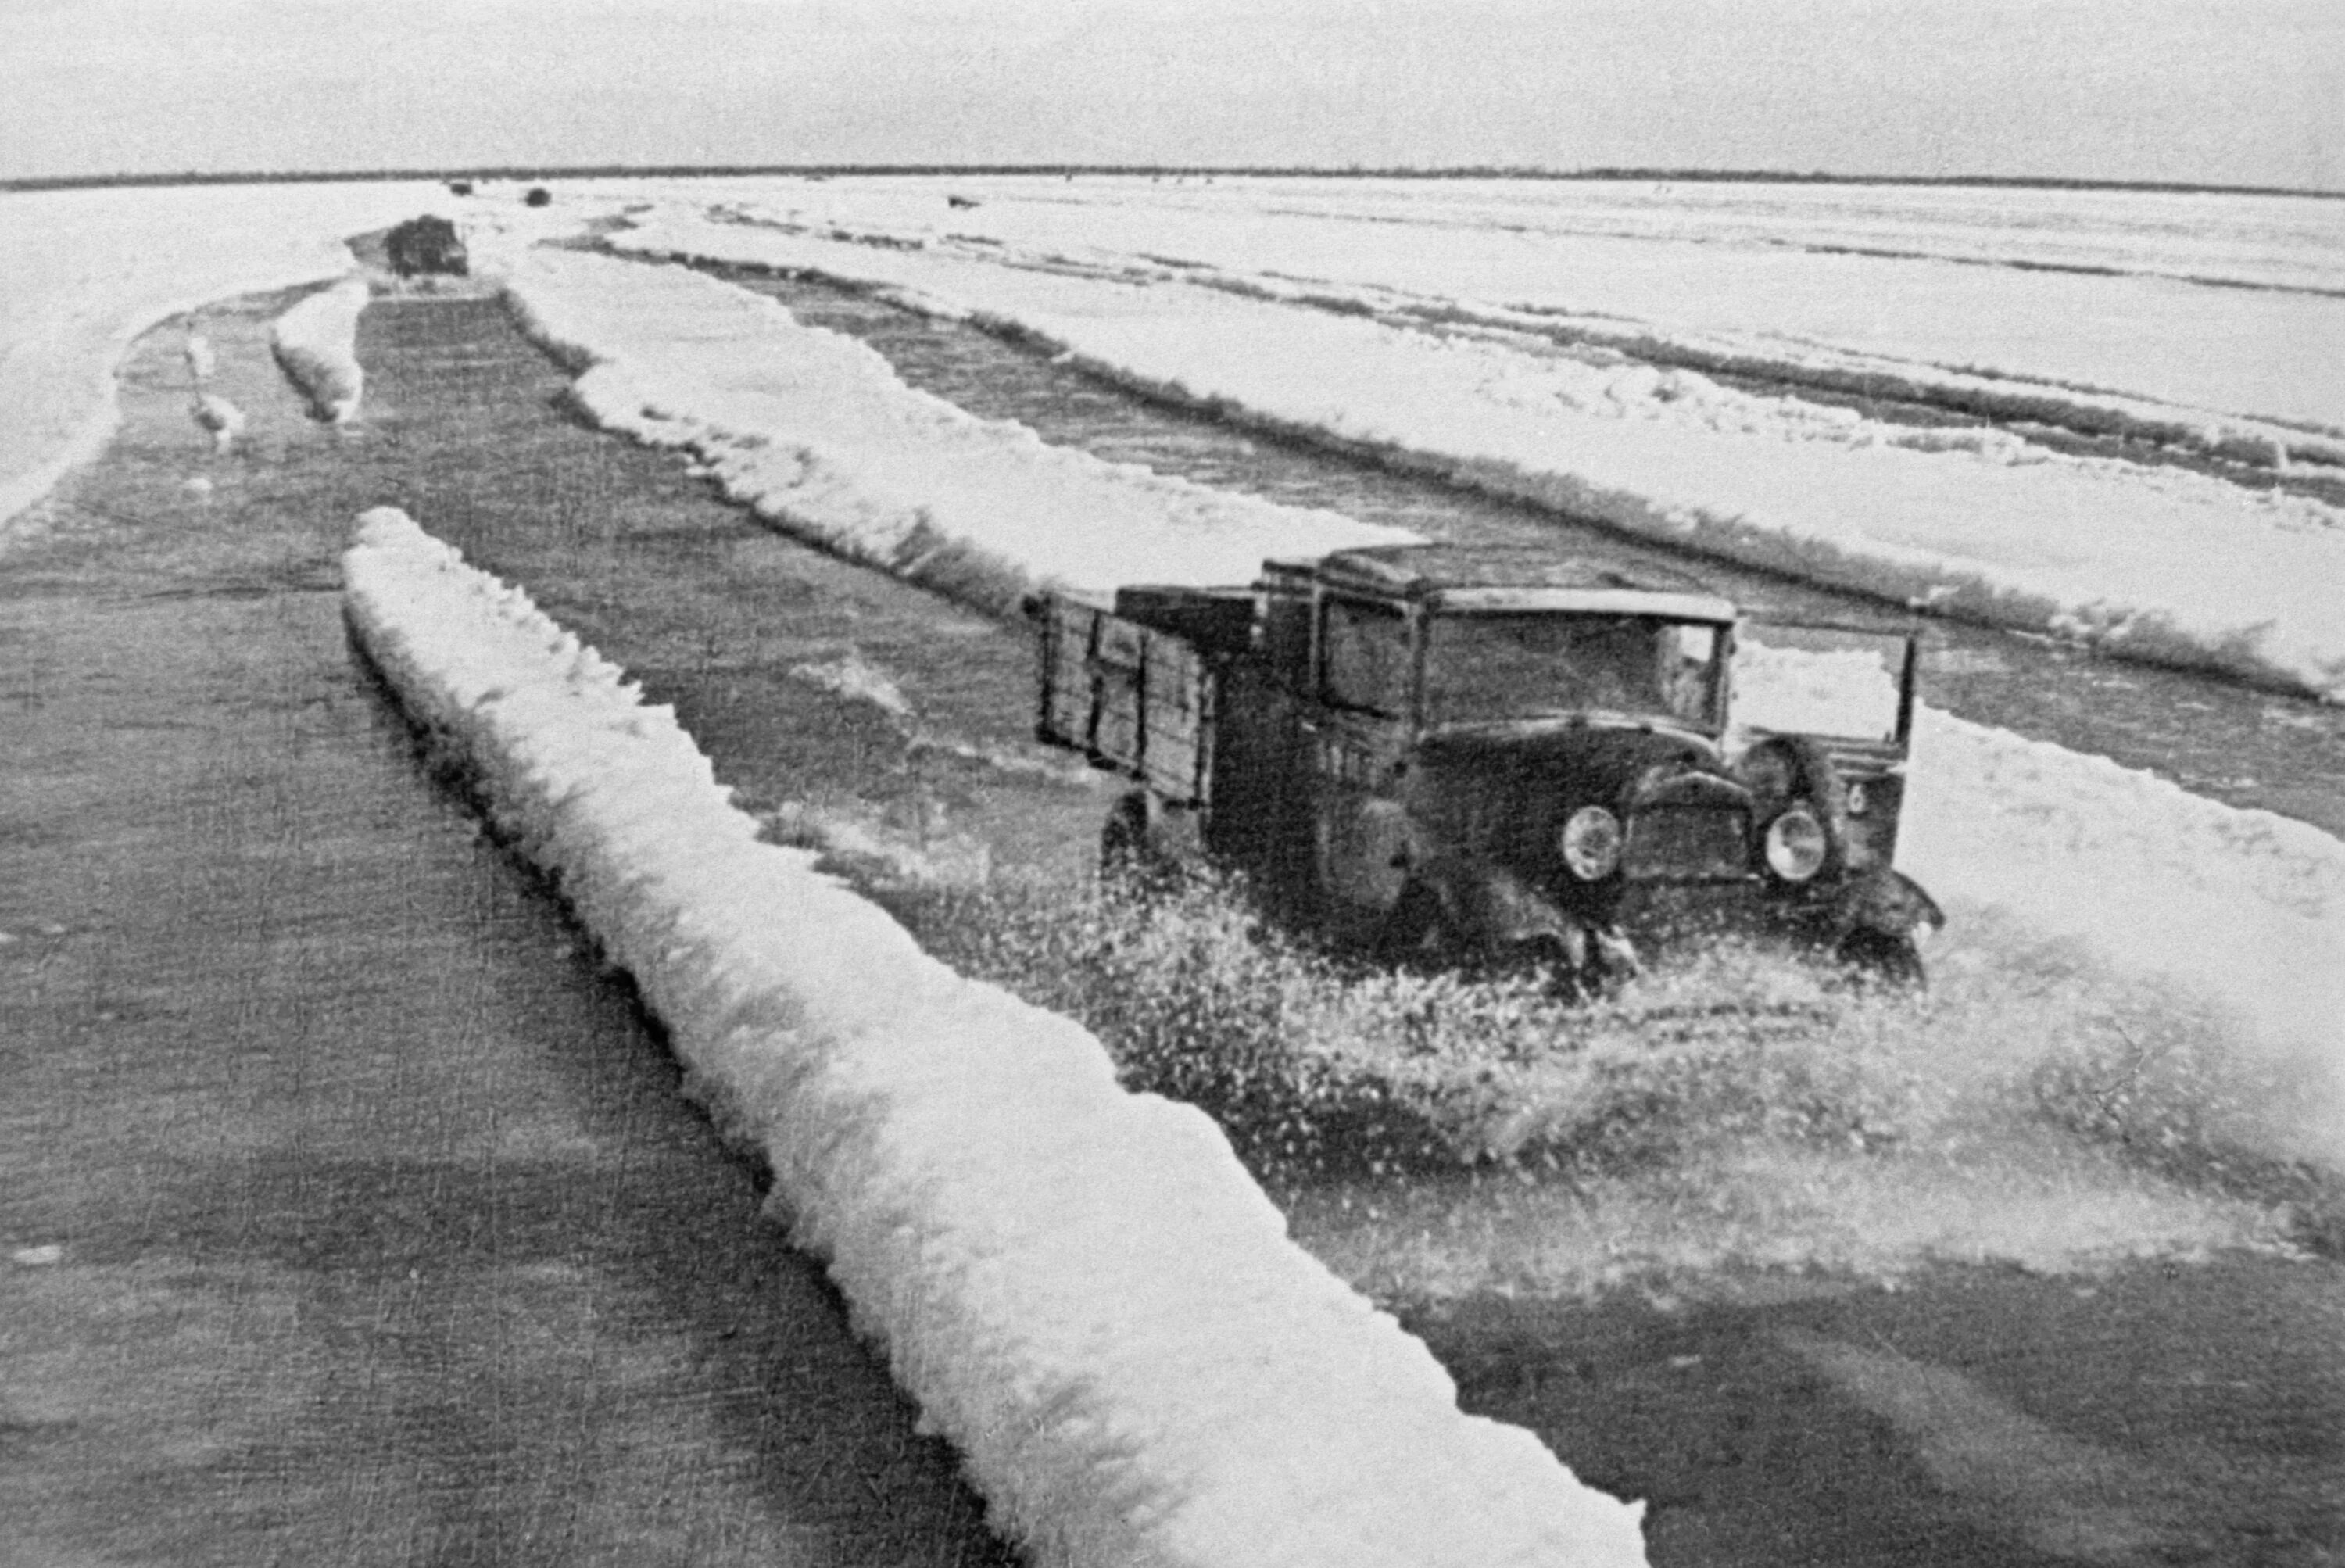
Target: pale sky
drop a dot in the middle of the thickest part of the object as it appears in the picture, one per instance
(2202, 91)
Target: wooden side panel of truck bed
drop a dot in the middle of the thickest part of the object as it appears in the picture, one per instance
(1132, 698)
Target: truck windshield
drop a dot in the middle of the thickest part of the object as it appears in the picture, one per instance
(1480, 668)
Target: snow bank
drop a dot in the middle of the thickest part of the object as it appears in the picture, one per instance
(2114, 306)
(2242, 910)
(84, 272)
(1081, 1287)
(2158, 563)
(316, 342)
(818, 433)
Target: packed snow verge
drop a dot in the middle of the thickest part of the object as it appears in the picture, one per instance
(316, 342)
(1081, 1286)
(2160, 565)
(817, 432)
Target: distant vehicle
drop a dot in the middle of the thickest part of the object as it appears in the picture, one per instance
(1490, 757)
(537, 196)
(426, 244)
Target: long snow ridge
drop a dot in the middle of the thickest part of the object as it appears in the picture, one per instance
(316, 343)
(818, 433)
(1081, 1286)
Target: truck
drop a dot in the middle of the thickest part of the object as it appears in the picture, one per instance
(1495, 757)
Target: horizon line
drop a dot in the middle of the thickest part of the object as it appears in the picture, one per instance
(544, 171)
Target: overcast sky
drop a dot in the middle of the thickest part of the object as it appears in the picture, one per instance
(2203, 91)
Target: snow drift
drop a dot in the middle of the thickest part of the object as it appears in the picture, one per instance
(222, 418)
(2240, 912)
(818, 433)
(316, 342)
(2203, 308)
(2163, 564)
(1080, 1285)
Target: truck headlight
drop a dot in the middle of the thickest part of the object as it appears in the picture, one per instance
(1590, 842)
(1796, 845)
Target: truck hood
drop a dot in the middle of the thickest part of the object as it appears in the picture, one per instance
(1614, 762)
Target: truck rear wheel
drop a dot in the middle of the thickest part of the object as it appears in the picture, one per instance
(1131, 845)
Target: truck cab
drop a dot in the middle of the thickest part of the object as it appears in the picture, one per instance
(1474, 755)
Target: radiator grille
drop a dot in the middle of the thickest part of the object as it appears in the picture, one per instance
(1678, 843)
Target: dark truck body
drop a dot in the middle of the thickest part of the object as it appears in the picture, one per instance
(1480, 755)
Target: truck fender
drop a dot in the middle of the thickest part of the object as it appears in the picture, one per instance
(1877, 922)
(1783, 769)
(1888, 902)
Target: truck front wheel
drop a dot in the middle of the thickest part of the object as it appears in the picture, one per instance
(1415, 927)
(1889, 960)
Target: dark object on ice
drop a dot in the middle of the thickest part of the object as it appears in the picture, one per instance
(460, 187)
(1492, 757)
(961, 201)
(538, 197)
(426, 244)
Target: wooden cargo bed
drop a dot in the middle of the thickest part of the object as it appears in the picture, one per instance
(1135, 697)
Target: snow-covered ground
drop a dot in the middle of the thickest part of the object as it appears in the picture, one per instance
(1081, 1286)
(2199, 303)
(2161, 562)
(844, 1051)
(2238, 906)
(83, 272)
(2240, 913)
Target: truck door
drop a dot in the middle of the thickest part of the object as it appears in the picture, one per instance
(1260, 813)
(1356, 731)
